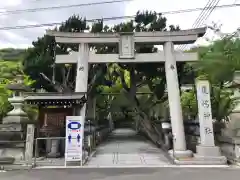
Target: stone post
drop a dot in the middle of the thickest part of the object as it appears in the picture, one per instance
(29, 144)
(54, 149)
(110, 121)
(205, 113)
(179, 142)
(166, 127)
(206, 149)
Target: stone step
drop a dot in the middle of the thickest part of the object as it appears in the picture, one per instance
(6, 160)
(194, 161)
(15, 167)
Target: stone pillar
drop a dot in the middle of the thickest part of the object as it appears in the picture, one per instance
(82, 73)
(166, 127)
(82, 68)
(110, 121)
(206, 149)
(54, 149)
(82, 76)
(94, 109)
(205, 113)
(29, 144)
(179, 143)
(52, 152)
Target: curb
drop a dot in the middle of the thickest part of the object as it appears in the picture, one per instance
(15, 167)
(133, 167)
(165, 153)
(68, 167)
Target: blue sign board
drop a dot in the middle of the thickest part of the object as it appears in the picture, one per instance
(74, 125)
(74, 138)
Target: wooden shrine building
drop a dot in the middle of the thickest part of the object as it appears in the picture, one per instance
(53, 109)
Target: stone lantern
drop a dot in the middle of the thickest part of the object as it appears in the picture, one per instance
(12, 129)
(229, 139)
(167, 130)
(17, 115)
(235, 114)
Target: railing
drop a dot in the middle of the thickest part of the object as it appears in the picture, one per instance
(36, 151)
(88, 145)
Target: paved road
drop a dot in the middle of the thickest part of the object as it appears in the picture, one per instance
(125, 148)
(125, 174)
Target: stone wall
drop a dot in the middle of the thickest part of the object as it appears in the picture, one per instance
(229, 142)
(192, 134)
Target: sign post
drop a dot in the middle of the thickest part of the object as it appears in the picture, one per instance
(74, 139)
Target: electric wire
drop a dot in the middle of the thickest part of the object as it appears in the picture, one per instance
(204, 18)
(114, 18)
(207, 8)
(17, 11)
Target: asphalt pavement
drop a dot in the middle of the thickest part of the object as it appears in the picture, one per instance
(124, 174)
(119, 158)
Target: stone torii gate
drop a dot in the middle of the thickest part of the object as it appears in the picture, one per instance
(126, 42)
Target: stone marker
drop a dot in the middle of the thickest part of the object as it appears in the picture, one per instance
(205, 113)
(207, 149)
(29, 144)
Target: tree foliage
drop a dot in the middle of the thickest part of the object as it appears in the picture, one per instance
(218, 62)
(8, 71)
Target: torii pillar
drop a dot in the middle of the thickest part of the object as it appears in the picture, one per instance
(81, 83)
(126, 42)
(179, 140)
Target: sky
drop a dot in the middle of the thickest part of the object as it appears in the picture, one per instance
(228, 18)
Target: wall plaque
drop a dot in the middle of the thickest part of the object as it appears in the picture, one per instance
(126, 46)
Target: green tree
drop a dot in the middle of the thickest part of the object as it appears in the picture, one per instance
(189, 104)
(8, 71)
(217, 63)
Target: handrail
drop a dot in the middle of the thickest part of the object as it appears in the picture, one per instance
(56, 138)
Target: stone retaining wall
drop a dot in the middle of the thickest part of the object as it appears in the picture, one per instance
(230, 147)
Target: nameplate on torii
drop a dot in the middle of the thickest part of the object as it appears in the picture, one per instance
(139, 58)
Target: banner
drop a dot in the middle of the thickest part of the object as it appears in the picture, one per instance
(74, 138)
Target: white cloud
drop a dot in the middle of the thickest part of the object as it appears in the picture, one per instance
(49, 16)
(8, 3)
(20, 38)
(228, 17)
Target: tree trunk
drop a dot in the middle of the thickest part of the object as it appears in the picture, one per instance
(148, 127)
